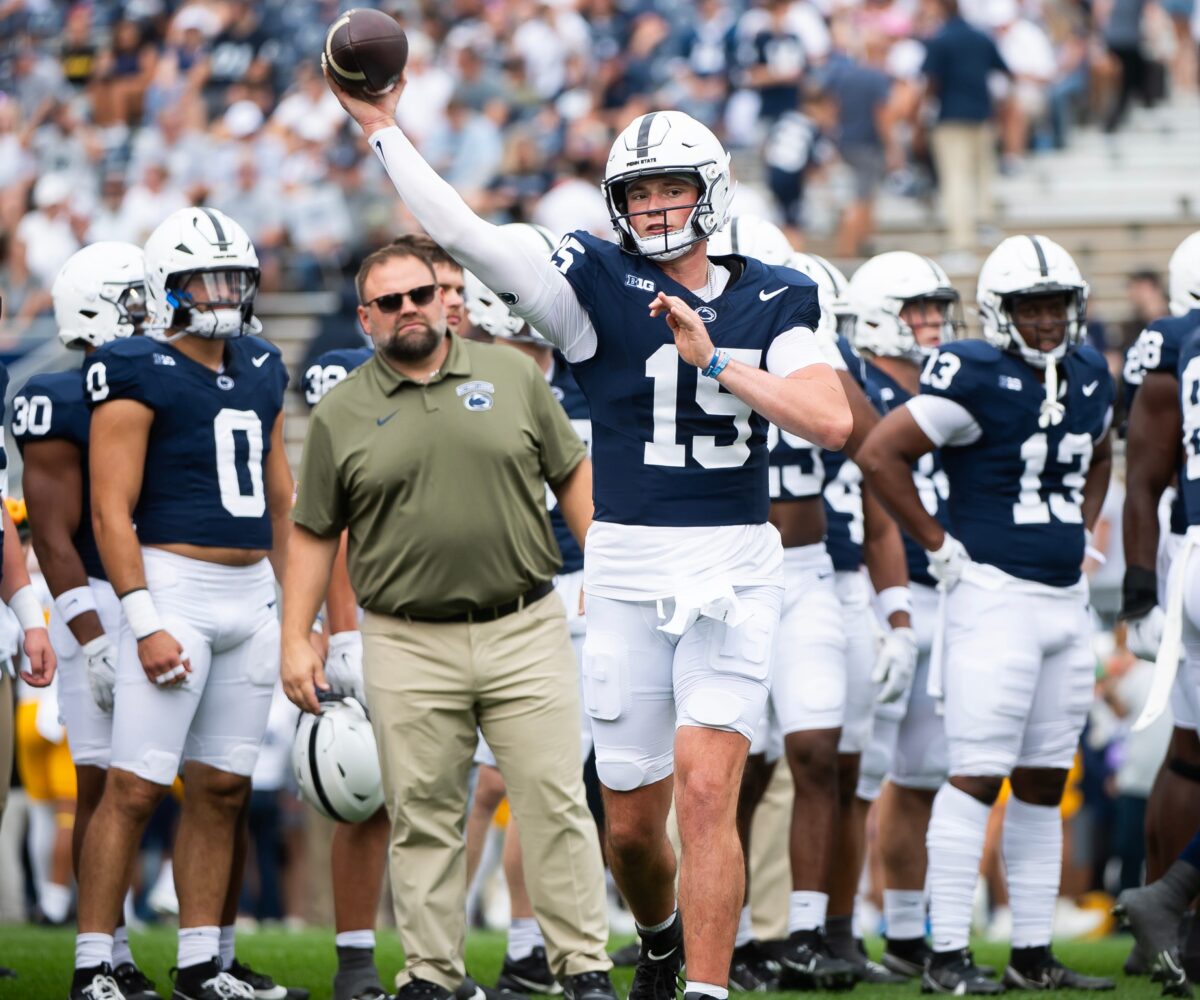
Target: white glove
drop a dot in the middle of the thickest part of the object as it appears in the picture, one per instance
(895, 664)
(101, 657)
(946, 564)
(1143, 635)
(343, 665)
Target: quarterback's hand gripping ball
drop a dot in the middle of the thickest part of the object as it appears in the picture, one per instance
(365, 52)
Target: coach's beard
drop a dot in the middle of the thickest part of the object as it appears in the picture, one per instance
(413, 346)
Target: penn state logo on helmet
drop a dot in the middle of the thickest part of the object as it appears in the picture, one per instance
(878, 293)
(100, 294)
(336, 761)
(201, 277)
(668, 143)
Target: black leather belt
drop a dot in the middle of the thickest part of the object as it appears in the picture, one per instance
(534, 593)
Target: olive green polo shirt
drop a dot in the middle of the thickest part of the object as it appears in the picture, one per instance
(442, 486)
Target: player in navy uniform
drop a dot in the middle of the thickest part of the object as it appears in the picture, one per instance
(683, 575)
(1022, 421)
(1153, 459)
(187, 443)
(99, 295)
(904, 309)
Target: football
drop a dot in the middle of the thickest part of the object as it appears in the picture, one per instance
(365, 51)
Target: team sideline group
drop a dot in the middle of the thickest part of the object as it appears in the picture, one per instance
(819, 526)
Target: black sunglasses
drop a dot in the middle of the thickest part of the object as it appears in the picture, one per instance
(422, 295)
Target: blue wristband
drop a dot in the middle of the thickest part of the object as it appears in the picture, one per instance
(717, 365)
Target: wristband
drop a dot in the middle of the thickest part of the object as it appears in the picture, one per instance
(75, 602)
(893, 599)
(28, 609)
(717, 365)
(1139, 592)
(141, 613)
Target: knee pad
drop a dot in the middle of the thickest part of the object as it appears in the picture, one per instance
(711, 707)
(1184, 769)
(159, 767)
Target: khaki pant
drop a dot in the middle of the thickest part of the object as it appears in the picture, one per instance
(965, 156)
(6, 734)
(428, 686)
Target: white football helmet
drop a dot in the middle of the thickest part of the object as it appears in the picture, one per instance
(881, 288)
(1183, 276)
(674, 144)
(201, 250)
(487, 310)
(336, 762)
(1029, 265)
(751, 236)
(836, 315)
(100, 294)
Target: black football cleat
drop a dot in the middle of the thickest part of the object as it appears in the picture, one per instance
(753, 970)
(95, 983)
(906, 956)
(208, 981)
(1038, 969)
(627, 955)
(956, 973)
(529, 975)
(265, 988)
(133, 983)
(660, 960)
(589, 986)
(805, 964)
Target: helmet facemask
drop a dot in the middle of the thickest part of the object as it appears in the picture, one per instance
(215, 303)
(1073, 324)
(711, 183)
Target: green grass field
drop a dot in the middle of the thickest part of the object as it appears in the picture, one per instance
(43, 960)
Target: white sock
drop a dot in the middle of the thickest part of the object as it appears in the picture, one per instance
(656, 928)
(121, 952)
(955, 844)
(806, 910)
(198, 945)
(745, 931)
(904, 913)
(524, 935)
(355, 939)
(227, 937)
(1033, 839)
(92, 950)
(55, 901)
(708, 989)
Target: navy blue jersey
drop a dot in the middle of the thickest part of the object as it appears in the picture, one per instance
(1157, 349)
(330, 368)
(1016, 494)
(841, 487)
(672, 447)
(1189, 404)
(929, 476)
(53, 408)
(566, 390)
(204, 479)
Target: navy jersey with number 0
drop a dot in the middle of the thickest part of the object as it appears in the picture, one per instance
(1189, 402)
(672, 447)
(566, 390)
(1157, 349)
(841, 488)
(204, 481)
(330, 368)
(52, 407)
(1016, 494)
(933, 487)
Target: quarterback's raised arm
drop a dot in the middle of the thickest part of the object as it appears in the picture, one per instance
(542, 296)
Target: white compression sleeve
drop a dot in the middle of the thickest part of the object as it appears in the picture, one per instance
(544, 298)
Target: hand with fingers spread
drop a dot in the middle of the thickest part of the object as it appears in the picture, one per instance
(691, 335)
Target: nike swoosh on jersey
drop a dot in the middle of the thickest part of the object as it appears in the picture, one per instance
(666, 954)
(1090, 388)
(380, 421)
(766, 296)
(260, 360)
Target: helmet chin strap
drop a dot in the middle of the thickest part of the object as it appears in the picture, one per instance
(1052, 411)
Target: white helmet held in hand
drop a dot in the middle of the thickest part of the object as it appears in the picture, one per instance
(201, 277)
(673, 144)
(487, 310)
(336, 762)
(879, 291)
(832, 288)
(1029, 266)
(1183, 276)
(751, 236)
(100, 294)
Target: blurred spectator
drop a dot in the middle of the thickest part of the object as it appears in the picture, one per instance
(109, 220)
(35, 80)
(958, 62)
(242, 55)
(151, 200)
(574, 202)
(1069, 29)
(309, 110)
(1026, 50)
(465, 148)
(1123, 35)
(124, 72)
(1147, 302)
(47, 236)
(425, 94)
(259, 206)
(708, 50)
(772, 59)
(798, 143)
(79, 49)
(547, 39)
(318, 228)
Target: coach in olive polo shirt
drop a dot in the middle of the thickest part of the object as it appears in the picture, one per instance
(435, 455)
